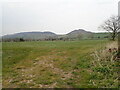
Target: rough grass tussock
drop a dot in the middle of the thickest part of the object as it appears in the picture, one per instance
(105, 67)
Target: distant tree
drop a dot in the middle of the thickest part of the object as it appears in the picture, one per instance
(61, 38)
(98, 37)
(22, 40)
(111, 25)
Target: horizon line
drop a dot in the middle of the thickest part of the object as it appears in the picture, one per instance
(52, 32)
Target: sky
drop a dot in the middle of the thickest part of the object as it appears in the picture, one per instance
(58, 16)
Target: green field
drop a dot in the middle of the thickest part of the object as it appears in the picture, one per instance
(58, 64)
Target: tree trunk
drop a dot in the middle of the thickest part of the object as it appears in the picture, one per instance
(113, 36)
(118, 44)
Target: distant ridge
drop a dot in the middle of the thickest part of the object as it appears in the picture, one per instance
(75, 34)
(30, 35)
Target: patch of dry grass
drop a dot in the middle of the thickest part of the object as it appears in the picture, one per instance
(105, 67)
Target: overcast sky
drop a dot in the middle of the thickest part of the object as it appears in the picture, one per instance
(58, 16)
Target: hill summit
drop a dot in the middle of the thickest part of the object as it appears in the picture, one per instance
(80, 31)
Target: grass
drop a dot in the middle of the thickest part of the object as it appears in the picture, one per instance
(106, 67)
(50, 64)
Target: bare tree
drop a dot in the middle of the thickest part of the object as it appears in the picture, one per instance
(111, 25)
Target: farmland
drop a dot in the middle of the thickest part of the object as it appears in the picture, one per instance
(53, 64)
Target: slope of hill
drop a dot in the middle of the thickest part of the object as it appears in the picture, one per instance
(80, 34)
(31, 35)
(79, 31)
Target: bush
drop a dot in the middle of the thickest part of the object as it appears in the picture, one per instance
(105, 68)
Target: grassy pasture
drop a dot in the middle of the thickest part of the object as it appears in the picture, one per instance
(49, 63)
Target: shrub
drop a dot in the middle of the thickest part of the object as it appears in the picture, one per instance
(105, 66)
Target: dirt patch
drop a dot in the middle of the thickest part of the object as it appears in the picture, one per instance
(38, 64)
